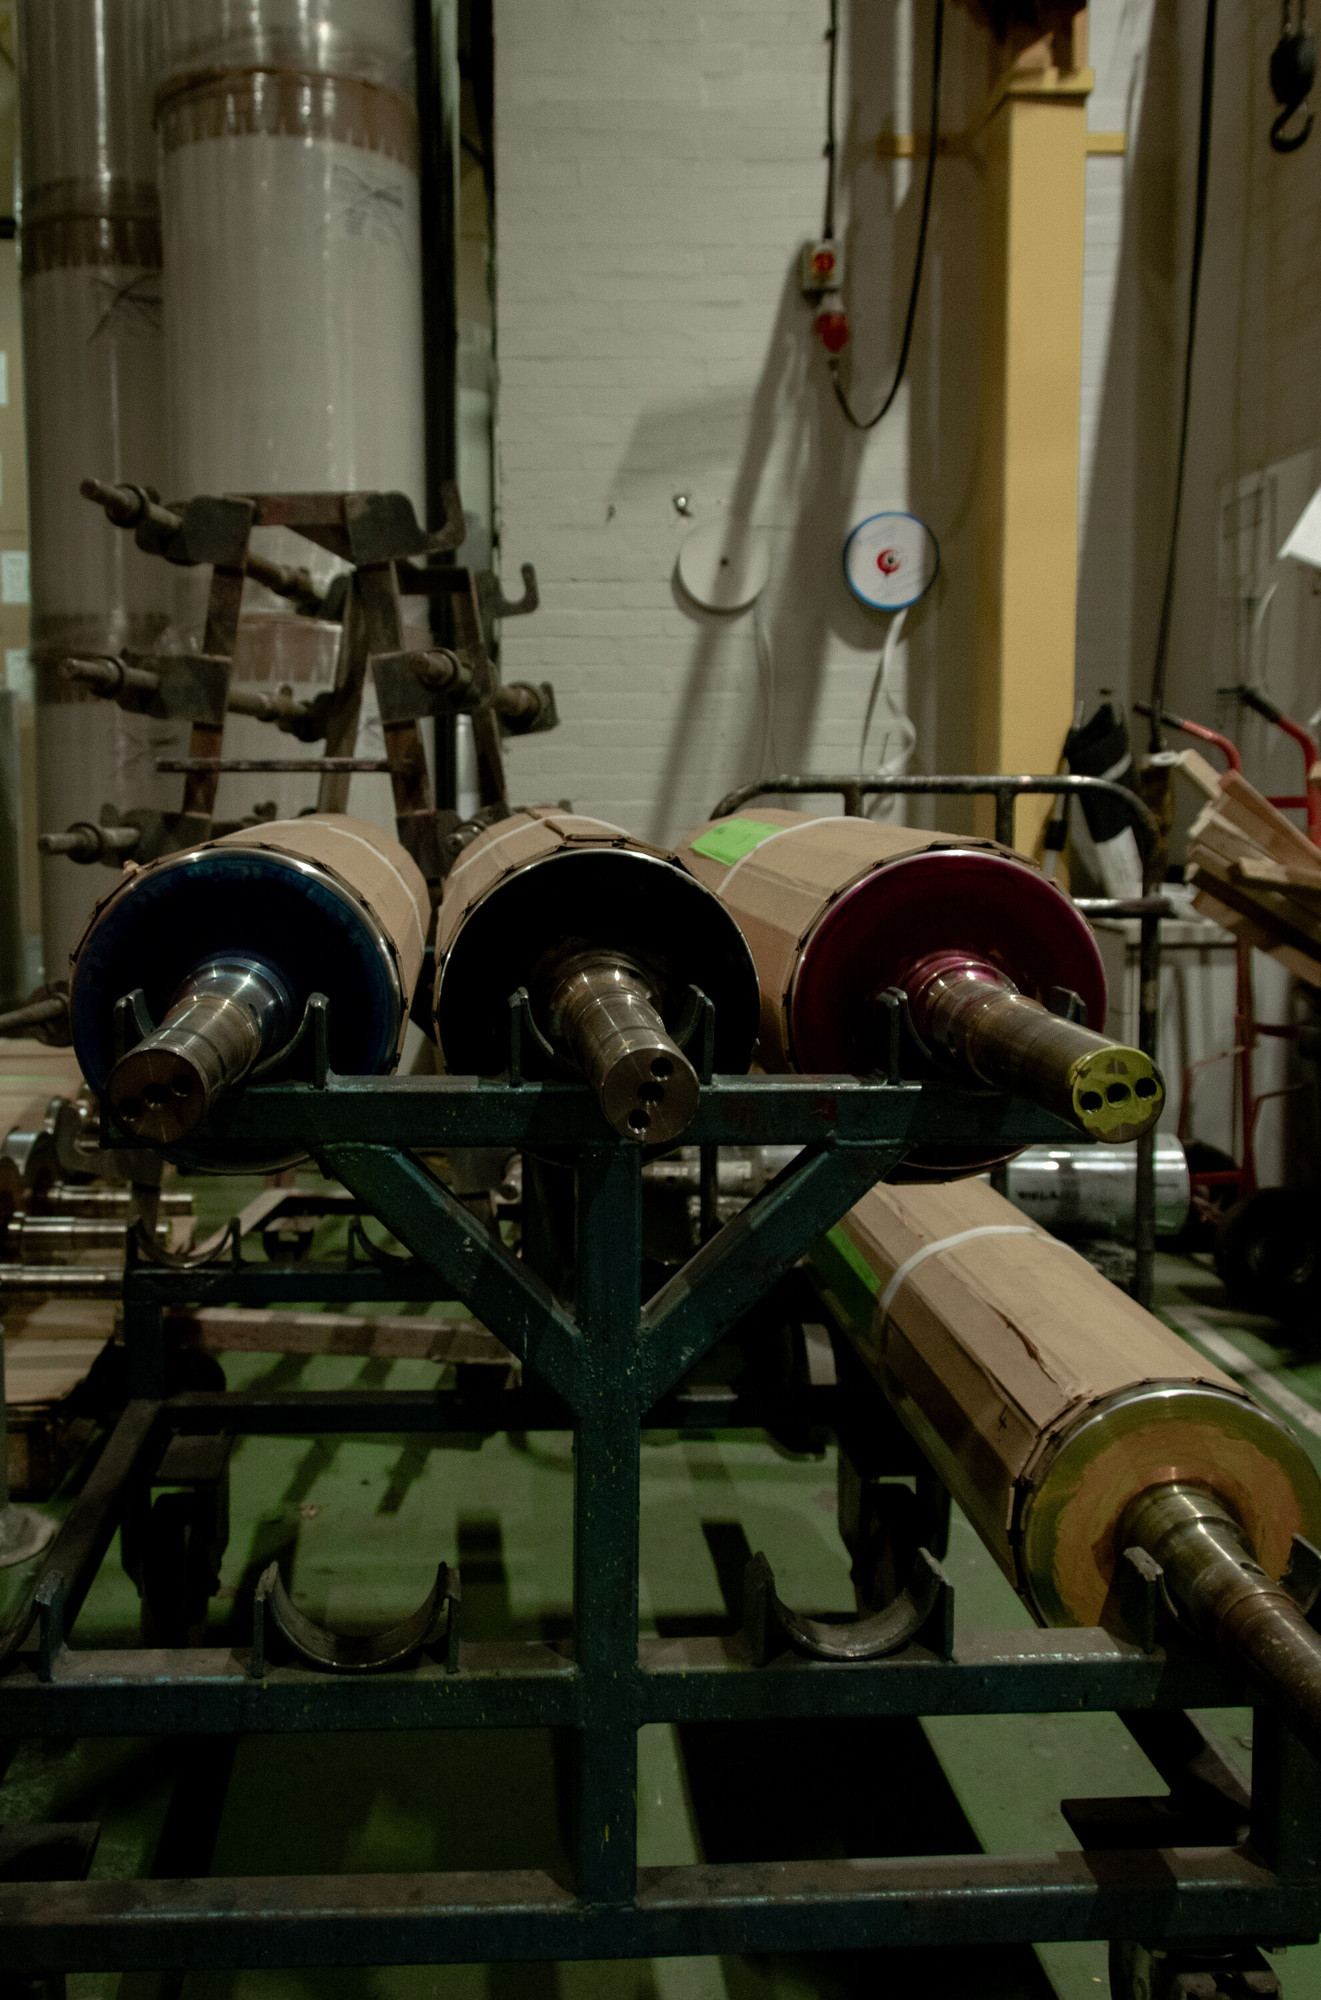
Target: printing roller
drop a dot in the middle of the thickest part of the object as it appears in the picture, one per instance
(1071, 1427)
(227, 942)
(836, 911)
(608, 936)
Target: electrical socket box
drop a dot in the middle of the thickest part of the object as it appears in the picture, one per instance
(821, 267)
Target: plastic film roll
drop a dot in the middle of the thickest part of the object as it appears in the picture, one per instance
(93, 353)
(293, 320)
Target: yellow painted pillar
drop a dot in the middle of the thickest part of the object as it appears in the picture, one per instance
(1034, 141)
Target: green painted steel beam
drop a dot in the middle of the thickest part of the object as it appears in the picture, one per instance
(306, 1920)
(740, 1264)
(470, 1260)
(440, 1111)
(533, 1684)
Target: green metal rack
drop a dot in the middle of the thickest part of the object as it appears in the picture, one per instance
(605, 1366)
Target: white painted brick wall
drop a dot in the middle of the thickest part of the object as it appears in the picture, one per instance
(659, 167)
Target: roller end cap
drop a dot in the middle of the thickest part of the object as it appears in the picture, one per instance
(157, 1095)
(1117, 1093)
(650, 1095)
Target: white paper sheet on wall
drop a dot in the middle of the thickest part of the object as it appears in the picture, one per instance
(13, 576)
(1304, 539)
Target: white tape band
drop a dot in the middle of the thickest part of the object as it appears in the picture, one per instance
(799, 826)
(471, 852)
(910, 1264)
(342, 833)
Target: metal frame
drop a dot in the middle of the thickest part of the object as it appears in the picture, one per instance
(606, 1366)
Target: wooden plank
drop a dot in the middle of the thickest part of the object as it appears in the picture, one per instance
(392, 1337)
(1275, 932)
(1274, 875)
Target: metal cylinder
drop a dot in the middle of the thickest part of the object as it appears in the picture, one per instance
(609, 938)
(37, 1239)
(229, 1014)
(226, 943)
(1089, 1190)
(602, 1009)
(1213, 1581)
(93, 353)
(109, 1204)
(1046, 1399)
(972, 1012)
(293, 319)
(838, 911)
(86, 842)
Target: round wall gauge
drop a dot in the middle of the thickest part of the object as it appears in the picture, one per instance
(890, 560)
(724, 563)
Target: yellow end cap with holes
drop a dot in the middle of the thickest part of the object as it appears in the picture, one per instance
(1117, 1093)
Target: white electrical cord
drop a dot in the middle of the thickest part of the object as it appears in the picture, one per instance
(766, 674)
(899, 730)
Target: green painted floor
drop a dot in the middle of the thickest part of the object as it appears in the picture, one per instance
(360, 1525)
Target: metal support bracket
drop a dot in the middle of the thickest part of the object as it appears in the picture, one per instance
(922, 1614)
(274, 1611)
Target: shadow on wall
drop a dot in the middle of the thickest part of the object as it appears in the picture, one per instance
(793, 416)
(944, 399)
(1127, 499)
(797, 466)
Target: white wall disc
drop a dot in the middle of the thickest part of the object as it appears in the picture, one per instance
(724, 563)
(890, 560)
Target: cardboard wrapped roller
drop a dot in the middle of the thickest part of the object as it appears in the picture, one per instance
(225, 943)
(838, 911)
(1071, 1426)
(609, 937)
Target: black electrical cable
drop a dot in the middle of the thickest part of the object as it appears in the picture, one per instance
(832, 37)
(1159, 673)
(919, 258)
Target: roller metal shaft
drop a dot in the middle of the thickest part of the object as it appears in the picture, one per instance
(975, 1015)
(35, 1014)
(1214, 1582)
(130, 507)
(228, 1015)
(109, 1203)
(34, 1239)
(602, 1010)
(86, 841)
(78, 1281)
(110, 676)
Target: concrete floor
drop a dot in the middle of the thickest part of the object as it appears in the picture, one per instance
(360, 1524)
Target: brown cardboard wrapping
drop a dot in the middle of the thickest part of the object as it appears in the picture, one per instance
(512, 844)
(378, 871)
(780, 890)
(993, 1350)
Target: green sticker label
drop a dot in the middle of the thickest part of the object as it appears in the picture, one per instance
(734, 838)
(853, 1257)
